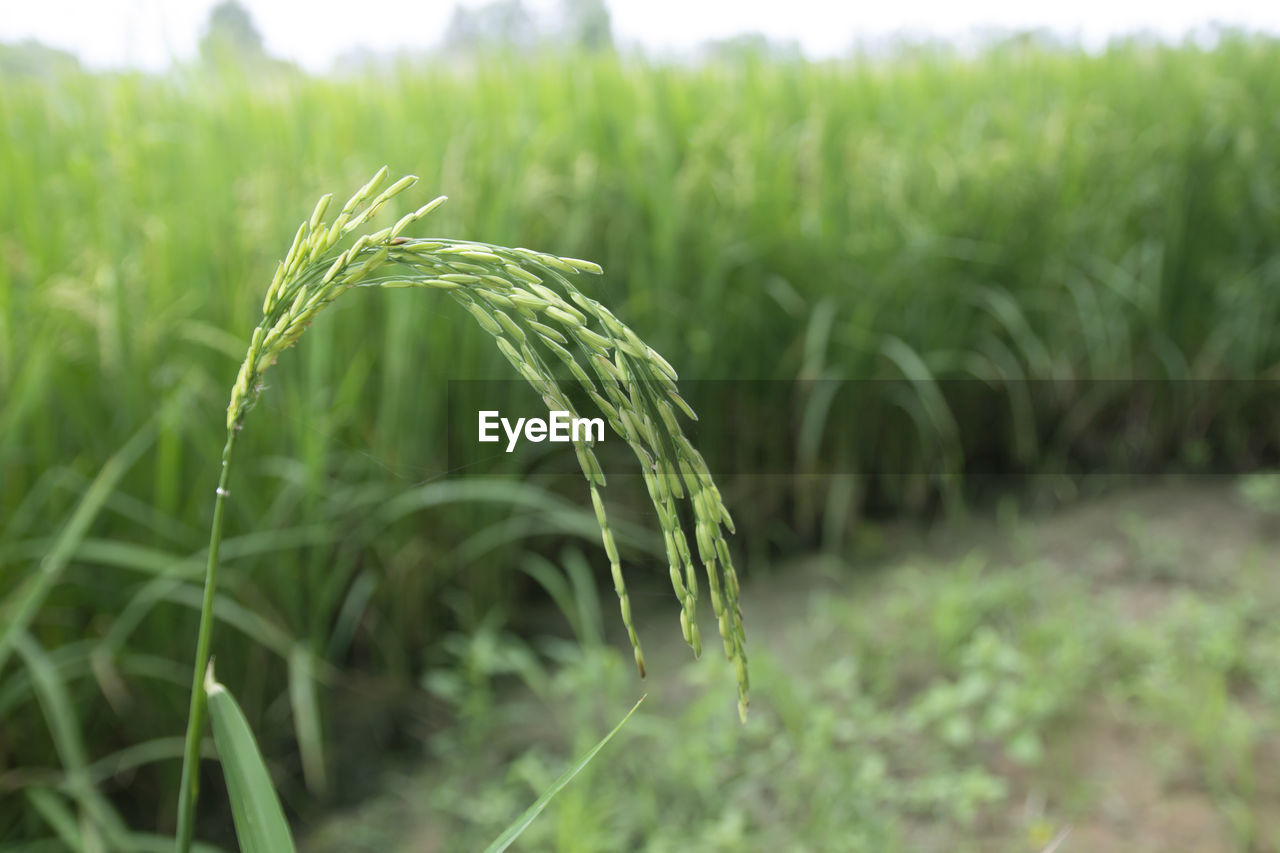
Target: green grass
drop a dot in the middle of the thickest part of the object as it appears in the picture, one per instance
(1021, 214)
(633, 386)
(964, 697)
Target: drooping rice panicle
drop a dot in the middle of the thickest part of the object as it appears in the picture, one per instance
(527, 301)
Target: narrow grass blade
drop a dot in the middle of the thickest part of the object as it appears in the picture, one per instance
(259, 819)
(554, 583)
(55, 813)
(586, 595)
(97, 814)
(28, 599)
(306, 717)
(522, 823)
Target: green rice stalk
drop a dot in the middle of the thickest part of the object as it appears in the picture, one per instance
(527, 302)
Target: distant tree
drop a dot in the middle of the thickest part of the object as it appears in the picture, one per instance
(587, 24)
(230, 37)
(1039, 40)
(501, 24)
(747, 46)
(30, 58)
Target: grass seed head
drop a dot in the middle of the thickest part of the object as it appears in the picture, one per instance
(634, 386)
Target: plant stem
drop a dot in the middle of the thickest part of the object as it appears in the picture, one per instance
(190, 787)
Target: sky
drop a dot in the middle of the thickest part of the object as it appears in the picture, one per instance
(152, 33)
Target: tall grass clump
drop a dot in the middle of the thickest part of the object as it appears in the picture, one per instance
(527, 302)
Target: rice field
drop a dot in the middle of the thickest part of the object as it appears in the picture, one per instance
(1021, 215)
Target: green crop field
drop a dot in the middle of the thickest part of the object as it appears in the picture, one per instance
(1025, 214)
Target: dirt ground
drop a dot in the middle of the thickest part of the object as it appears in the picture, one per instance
(1140, 548)
(1111, 779)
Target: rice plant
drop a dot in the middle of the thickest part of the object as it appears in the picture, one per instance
(527, 302)
(1011, 216)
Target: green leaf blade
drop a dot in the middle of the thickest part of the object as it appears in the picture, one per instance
(521, 823)
(259, 818)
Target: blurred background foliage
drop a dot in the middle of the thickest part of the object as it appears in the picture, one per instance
(1030, 212)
